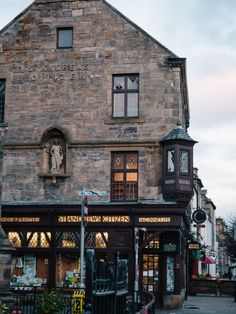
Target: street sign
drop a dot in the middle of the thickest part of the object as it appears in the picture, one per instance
(92, 193)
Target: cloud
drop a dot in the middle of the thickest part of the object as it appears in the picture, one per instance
(204, 31)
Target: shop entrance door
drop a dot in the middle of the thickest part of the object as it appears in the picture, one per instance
(152, 275)
(150, 272)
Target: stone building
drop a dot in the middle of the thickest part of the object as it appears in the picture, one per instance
(203, 228)
(93, 103)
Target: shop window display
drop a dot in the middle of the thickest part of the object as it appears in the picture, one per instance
(29, 270)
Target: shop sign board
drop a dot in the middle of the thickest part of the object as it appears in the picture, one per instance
(95, 192)
(20, 219)
(193, 245)
(94, 219)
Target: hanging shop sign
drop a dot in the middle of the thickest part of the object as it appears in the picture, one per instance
(193, 245)
(199, 216)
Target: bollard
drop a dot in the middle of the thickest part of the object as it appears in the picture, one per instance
(78, 305)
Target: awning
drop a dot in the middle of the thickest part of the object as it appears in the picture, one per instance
(208, 260)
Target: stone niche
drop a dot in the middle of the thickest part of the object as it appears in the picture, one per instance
(55, 153)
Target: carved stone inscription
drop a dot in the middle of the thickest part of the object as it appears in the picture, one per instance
(53, 72)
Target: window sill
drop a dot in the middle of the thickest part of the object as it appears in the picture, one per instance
(124, 120)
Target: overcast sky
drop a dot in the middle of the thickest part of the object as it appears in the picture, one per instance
(203, 31)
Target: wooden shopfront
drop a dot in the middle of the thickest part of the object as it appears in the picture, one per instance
(47, 242)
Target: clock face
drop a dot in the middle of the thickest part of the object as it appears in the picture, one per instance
(184, 161)
(171, 160)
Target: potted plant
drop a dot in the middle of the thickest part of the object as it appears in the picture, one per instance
(50, 302)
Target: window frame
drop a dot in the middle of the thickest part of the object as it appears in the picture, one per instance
(168, 172)
(184, 150)
(125, 92)
(2, 100)
(124, 171)
(72, 36)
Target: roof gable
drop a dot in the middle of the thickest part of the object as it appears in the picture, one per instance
(44, 2)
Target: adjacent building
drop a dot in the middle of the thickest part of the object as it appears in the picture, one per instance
(94, 105)
(203, 229)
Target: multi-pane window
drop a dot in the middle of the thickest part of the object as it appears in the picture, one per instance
(2, 99)
(124, 176)
(65, 37)
(125, 95)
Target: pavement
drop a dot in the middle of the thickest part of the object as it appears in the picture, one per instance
(204, 305)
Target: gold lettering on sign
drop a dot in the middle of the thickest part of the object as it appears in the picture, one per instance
(62, 219)
(155, 219)
(20, 219)
(193, 246)
(115, 219)
(94, 219)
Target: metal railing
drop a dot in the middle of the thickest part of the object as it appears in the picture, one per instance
(26, 299)
(144, 305)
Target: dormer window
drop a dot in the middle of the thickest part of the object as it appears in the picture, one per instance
(65, 37)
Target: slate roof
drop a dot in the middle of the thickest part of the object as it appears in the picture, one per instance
(177, 133)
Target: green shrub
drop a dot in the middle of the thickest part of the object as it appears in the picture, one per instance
(3, 308)
(50, 302)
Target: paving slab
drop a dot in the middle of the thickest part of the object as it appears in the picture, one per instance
(204, 305)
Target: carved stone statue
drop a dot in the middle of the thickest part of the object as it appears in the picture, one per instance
(56, 158)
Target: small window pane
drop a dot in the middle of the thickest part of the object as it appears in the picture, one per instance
(14, 239)
(184, 161)
(119, 83)
(132, 82)
(118, 176)
(132, 106)
(132, 161)
(118, 161)
(44, 240)
(132, 177)
(65, 38)
(119, 105)
(34, 239)
(171, 160)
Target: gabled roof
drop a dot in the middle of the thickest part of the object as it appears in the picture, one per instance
(139, 28)
(17, 17)
(104, 1)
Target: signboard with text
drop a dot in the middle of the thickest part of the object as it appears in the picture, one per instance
(193, 246)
